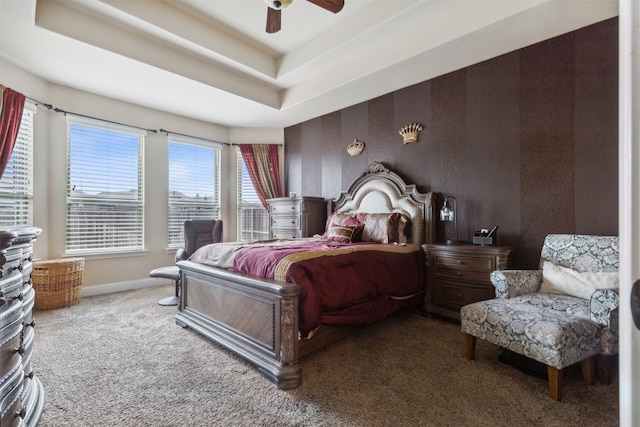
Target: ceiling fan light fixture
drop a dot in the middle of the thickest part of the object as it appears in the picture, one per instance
(278, 4)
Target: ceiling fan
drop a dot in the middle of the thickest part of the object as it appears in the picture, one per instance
(273, 12)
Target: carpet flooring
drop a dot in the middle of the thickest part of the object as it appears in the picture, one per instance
(120, 360)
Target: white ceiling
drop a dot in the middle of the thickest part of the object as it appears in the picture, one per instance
(212, 59)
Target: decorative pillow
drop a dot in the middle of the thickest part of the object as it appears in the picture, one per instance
(562, 280)
(348, 219)
(341, 233)
(386, 228)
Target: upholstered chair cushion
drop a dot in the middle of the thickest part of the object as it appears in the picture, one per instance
(553, 329)
(198, 233)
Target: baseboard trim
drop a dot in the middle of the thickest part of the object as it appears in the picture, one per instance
(109, 288)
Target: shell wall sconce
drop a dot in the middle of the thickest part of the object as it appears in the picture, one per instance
(355, 148)
(410, 132)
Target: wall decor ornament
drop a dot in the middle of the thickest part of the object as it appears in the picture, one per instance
(355, 148)
(410, 132)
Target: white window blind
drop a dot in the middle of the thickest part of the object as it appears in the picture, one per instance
(105, 187)
(16, 185)
(194, 184)
(253, 218)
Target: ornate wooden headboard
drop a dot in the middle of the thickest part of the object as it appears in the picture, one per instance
(379, 190)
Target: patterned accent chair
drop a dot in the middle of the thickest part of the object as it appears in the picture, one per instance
(558, 329)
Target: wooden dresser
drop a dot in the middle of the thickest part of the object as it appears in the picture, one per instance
(21, 392)
(293, 217)
(459, 275)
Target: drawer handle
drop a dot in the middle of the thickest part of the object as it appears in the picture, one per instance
(459, 296)
(293, 221)
(293, 208)
(458, 262)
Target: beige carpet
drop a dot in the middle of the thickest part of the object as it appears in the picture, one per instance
(120, 360)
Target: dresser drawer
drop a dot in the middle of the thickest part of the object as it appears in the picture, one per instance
(10, 402)
(13, 261)
(11, 338)
(456, 294)
(285, 234)
(448, 263)
(285, 207)
(27, 345)
(10, 287)
(289, 222)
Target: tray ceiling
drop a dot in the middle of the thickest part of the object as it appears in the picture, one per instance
(213, 60)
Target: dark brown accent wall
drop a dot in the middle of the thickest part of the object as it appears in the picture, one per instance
(527, 141)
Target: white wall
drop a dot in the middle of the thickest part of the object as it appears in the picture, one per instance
(117, 272)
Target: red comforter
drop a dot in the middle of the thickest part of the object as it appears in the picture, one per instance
(340, 284)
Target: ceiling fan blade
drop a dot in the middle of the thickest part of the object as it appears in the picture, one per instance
(273, 20)
(334, 6)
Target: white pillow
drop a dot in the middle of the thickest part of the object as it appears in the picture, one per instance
(562, 280)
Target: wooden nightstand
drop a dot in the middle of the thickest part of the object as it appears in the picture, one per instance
(292, 217)
(459, 275)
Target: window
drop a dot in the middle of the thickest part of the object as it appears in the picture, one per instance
(105, 187)
(16, 186)
(253, 218)
(194, 184)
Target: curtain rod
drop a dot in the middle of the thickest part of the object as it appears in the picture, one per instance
(233, 144)
(38, 103)
(167, 132)
(58, 110)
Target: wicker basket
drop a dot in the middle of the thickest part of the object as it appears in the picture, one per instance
(57, 282)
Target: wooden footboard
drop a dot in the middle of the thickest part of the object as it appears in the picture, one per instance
(255, 318)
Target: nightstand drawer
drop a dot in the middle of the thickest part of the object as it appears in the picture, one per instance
(443, 262)
(466, 275)
(457, 294)
(460, 274)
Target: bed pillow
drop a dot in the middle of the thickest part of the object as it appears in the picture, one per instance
(557, 279)
(341, 233)
(386, 228)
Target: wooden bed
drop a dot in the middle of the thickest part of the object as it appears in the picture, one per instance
(257, 318)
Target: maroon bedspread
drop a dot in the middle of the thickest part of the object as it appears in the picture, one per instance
(358, 288)
(340, 284)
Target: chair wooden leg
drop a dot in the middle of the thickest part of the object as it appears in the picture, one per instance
(471, 347)
(555, 382)
(587, 370)
(604, 369)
